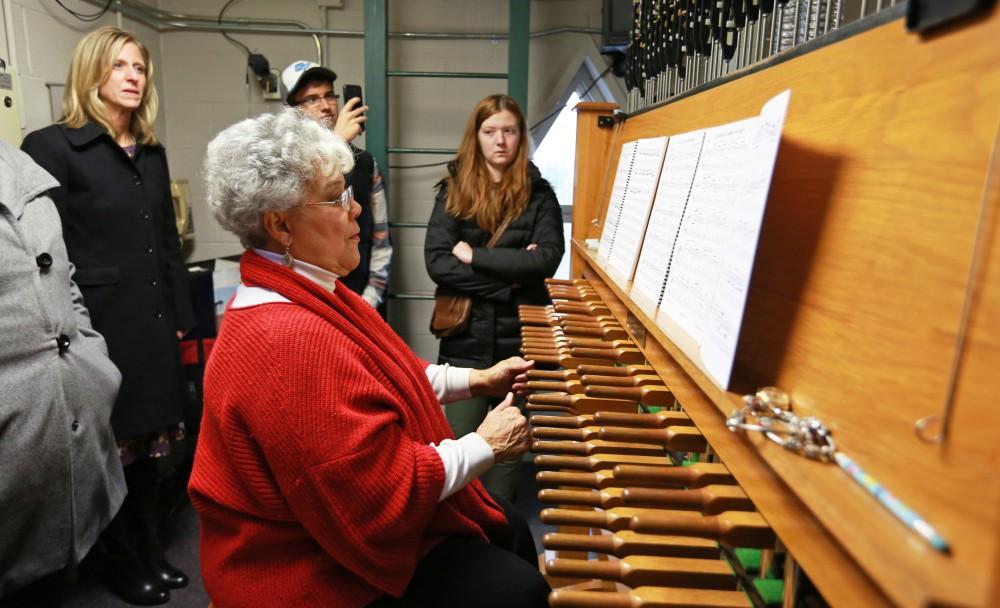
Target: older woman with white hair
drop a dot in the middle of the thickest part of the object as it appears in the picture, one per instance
(326, 473)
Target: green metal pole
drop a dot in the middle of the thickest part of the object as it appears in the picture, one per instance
(376, 84)
(517, 52)
(410, 74)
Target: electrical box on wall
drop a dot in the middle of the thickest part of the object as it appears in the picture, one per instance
(10, 111)
(270, 89)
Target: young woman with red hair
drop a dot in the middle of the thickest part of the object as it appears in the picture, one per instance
(491, 180)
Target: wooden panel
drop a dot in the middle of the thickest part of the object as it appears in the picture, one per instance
(591, 174)
(856, 297)
(793, 522)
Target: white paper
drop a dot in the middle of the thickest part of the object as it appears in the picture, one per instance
(729, 300)
(706, 289)
(635, 206)
(665, 217)
(617, 198)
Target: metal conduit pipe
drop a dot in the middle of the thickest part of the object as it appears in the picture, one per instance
(409, 296)
(491, 36)
(148, 16)
(162, 20)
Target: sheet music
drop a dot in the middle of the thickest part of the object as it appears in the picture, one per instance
(665, 218)
(729, 300)
(706, 289)
(636, 204)
(617, 198)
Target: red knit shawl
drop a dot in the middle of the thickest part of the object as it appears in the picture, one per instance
(420, 414)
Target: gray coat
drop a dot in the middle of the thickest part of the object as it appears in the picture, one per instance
(60, 477)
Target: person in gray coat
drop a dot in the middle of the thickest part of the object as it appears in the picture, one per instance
(60, 476)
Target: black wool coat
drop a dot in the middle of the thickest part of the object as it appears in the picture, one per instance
(360, 180)
(500, 278)
(120, 232)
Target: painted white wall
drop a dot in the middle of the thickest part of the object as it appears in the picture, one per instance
(3, 33)
(202, 81)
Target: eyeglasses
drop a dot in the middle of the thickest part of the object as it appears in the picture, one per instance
(344, 201)
(313, 100)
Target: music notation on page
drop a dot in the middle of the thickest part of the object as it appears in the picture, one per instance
(683, 223)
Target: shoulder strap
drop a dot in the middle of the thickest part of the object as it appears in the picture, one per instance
(499, 232)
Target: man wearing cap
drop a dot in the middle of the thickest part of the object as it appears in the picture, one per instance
(310, 88)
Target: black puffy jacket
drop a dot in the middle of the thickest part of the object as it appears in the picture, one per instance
(500, 278)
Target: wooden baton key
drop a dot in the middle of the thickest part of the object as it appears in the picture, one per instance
(592, 447)
(554, 281)
(538, 348)
(658, 420)
(607, 332)
(582, 308)
(627, 542)
(614, 370)
(595, 343)
(709, 500)
(732, 528)
(563, 434)
(570, 387)
(576, 479)
(649, 597)
(534, 407)
(677, 439)
(622, 380)
(560, 375)
(624, 356)
(581, 295)
(616, 519)
(598, 462)
(694, 476)
(564, 360)
(562, 422)
(535, 323)
(649, 395)
(604, 499)
(581, 404)
(568, 326)
(638, 570)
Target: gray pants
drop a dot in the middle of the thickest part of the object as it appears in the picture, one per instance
(465, 417)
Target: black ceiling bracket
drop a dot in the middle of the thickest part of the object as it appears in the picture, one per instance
(608, 121)
(923, 15)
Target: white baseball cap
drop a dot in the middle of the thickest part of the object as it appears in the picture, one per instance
(302, 71)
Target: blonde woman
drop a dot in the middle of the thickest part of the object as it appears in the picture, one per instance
(490, 180)
(118, 223)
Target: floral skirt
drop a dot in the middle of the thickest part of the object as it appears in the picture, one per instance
(150, 445)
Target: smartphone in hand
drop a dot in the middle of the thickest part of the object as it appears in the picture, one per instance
(350, 92)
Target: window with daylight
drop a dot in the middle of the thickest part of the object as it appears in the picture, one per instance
(555, 155)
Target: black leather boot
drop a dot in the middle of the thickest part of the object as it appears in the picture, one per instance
(125, 573)
(151, 552)
(132, 582)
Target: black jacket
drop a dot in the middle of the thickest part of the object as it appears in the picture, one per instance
(120, 232)
(360, 180)
(500, 278)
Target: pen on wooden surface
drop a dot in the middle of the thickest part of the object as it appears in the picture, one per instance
(902, 512)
